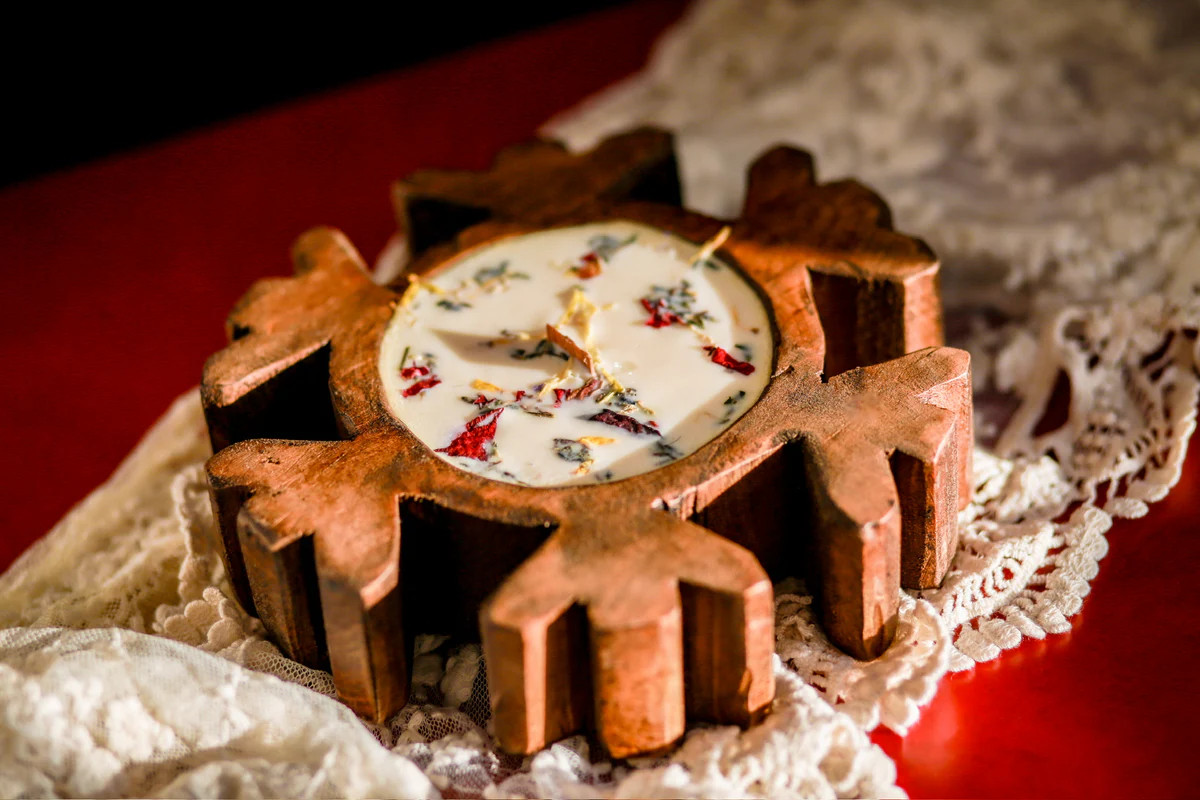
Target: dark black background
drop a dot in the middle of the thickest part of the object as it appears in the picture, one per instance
(79, 84)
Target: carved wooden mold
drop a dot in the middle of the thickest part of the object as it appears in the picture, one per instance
(619, 607)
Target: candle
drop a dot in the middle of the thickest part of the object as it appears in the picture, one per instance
(576, 355)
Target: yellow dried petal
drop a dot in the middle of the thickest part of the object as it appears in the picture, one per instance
(592, 441)
(563, 374)
(410, 294)
(708, 248)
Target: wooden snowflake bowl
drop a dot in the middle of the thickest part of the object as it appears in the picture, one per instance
(625, 607)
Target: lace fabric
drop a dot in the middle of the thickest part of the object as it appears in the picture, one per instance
(174, 691)
(1051, 155)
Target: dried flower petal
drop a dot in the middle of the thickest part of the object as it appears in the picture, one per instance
(572, 450)
(720, 356)
(707, 249)
(660, 315)
(473, 441)
(666, 451)
(609, 417)
(414, 371)
(421, 386)
(567, 343)
(583, 391)
(588, 267)
(487, 275)
(593, 441)
(604, 247)
(668, 305)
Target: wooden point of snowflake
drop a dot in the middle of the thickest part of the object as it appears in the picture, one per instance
(625, 607)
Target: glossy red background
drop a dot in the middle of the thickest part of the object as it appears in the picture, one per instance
(117, 277)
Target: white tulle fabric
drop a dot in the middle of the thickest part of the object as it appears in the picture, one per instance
(1051, 155)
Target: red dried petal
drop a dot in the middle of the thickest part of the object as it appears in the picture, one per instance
(421, 386)
(413, 371)
(721, 357)
(583, 391)
(559, 394)
(623, 422)
(518, 394)
(472, 442)
(660, 315)
(480, 400)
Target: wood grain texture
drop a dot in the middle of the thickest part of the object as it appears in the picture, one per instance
(536, 183)
(624, 608)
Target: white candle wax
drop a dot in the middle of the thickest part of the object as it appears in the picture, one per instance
(653, 348)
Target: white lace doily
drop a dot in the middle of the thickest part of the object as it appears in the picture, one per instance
(1051, 155)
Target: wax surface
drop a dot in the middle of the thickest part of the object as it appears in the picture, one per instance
(655, 348)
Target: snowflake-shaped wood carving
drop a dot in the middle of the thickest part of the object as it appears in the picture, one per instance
(626, 606)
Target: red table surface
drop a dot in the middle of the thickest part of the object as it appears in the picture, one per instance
(118, 275)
